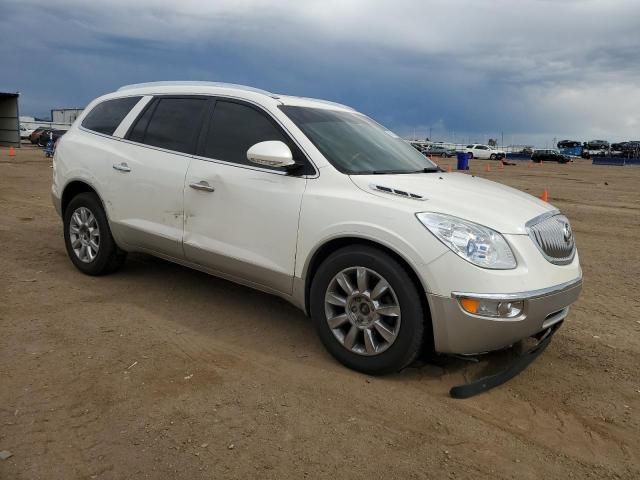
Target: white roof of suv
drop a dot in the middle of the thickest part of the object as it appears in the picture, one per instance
(213, 88)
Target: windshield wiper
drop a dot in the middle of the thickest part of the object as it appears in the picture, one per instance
(397, 172)
(387, 172)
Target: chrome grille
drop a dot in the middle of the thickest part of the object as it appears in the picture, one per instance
(553, 236)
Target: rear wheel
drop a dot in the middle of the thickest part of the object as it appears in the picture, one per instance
(367, 310)
(492, 156)
(470, 155)
(87, 236)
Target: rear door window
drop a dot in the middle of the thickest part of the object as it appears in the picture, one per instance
(172, 123)
(106, 116)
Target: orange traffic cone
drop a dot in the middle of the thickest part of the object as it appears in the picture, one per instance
(501, 166)
(12, 152)
(449, 169)
(487, 168)
(545, 196)
(530, 164)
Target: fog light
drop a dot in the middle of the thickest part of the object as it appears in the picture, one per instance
(492, 308)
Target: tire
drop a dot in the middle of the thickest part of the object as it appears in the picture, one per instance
(492, 156)
(380, 355)
(85, 209)
(470, 155)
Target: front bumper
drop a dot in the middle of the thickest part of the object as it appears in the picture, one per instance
(457, 331)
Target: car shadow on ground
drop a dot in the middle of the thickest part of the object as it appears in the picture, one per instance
(266, 324)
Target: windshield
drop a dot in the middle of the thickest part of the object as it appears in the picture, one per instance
(355, 144)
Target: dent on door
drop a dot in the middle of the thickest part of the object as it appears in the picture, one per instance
(245, 225)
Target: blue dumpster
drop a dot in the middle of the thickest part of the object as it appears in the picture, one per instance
(463, 161)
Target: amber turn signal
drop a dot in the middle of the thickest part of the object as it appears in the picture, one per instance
(470, 305)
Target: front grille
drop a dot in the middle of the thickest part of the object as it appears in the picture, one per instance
(553, 237)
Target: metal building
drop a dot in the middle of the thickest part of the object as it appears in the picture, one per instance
(65, 115)
(9, 119)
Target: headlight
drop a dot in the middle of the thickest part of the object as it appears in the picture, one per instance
(475, 243)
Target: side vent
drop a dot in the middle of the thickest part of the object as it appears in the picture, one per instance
(393, 191)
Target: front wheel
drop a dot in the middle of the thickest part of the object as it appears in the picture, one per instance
(470, 155)
(367, 310)
(492, 156)
(87, 236)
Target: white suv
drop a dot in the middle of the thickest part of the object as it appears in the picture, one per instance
(317, 203)
(484, 152)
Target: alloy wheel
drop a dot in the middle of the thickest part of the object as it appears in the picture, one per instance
(84, 234)
(362, 311)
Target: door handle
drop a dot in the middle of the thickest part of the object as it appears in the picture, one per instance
(122, 167)
(202, 186)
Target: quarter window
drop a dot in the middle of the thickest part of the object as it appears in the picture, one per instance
(235, 128)
(171, 123)
(106, 116)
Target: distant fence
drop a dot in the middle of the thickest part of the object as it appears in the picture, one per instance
(616, 161)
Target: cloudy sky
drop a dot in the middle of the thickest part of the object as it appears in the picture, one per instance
(463, 69)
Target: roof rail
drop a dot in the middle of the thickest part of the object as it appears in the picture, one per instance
(326, 102)
(190, 83)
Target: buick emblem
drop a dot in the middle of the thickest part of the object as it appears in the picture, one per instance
(567, 233)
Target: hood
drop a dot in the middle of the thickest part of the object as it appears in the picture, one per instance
(488, 203)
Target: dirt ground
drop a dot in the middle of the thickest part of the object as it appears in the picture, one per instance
(162, 372)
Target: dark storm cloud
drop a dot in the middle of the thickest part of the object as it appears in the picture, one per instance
(531, 69)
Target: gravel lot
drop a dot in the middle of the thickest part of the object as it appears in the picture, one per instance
(163, 372)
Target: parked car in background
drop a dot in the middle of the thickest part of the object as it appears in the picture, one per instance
(630, 149)
(316, 203)
(25, 132)
(484, 152)
(418, 146)
(440, 151)
(595, 148)
(35, 135)
(46, 135)
(549, 155)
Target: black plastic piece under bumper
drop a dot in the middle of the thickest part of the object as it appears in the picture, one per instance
(518, 365)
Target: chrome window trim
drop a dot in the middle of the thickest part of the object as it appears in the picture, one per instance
(131, 117)
(87, 111)
(286, 130)
(197, 157)
(543, 292)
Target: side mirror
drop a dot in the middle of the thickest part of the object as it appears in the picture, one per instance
(272, 153)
